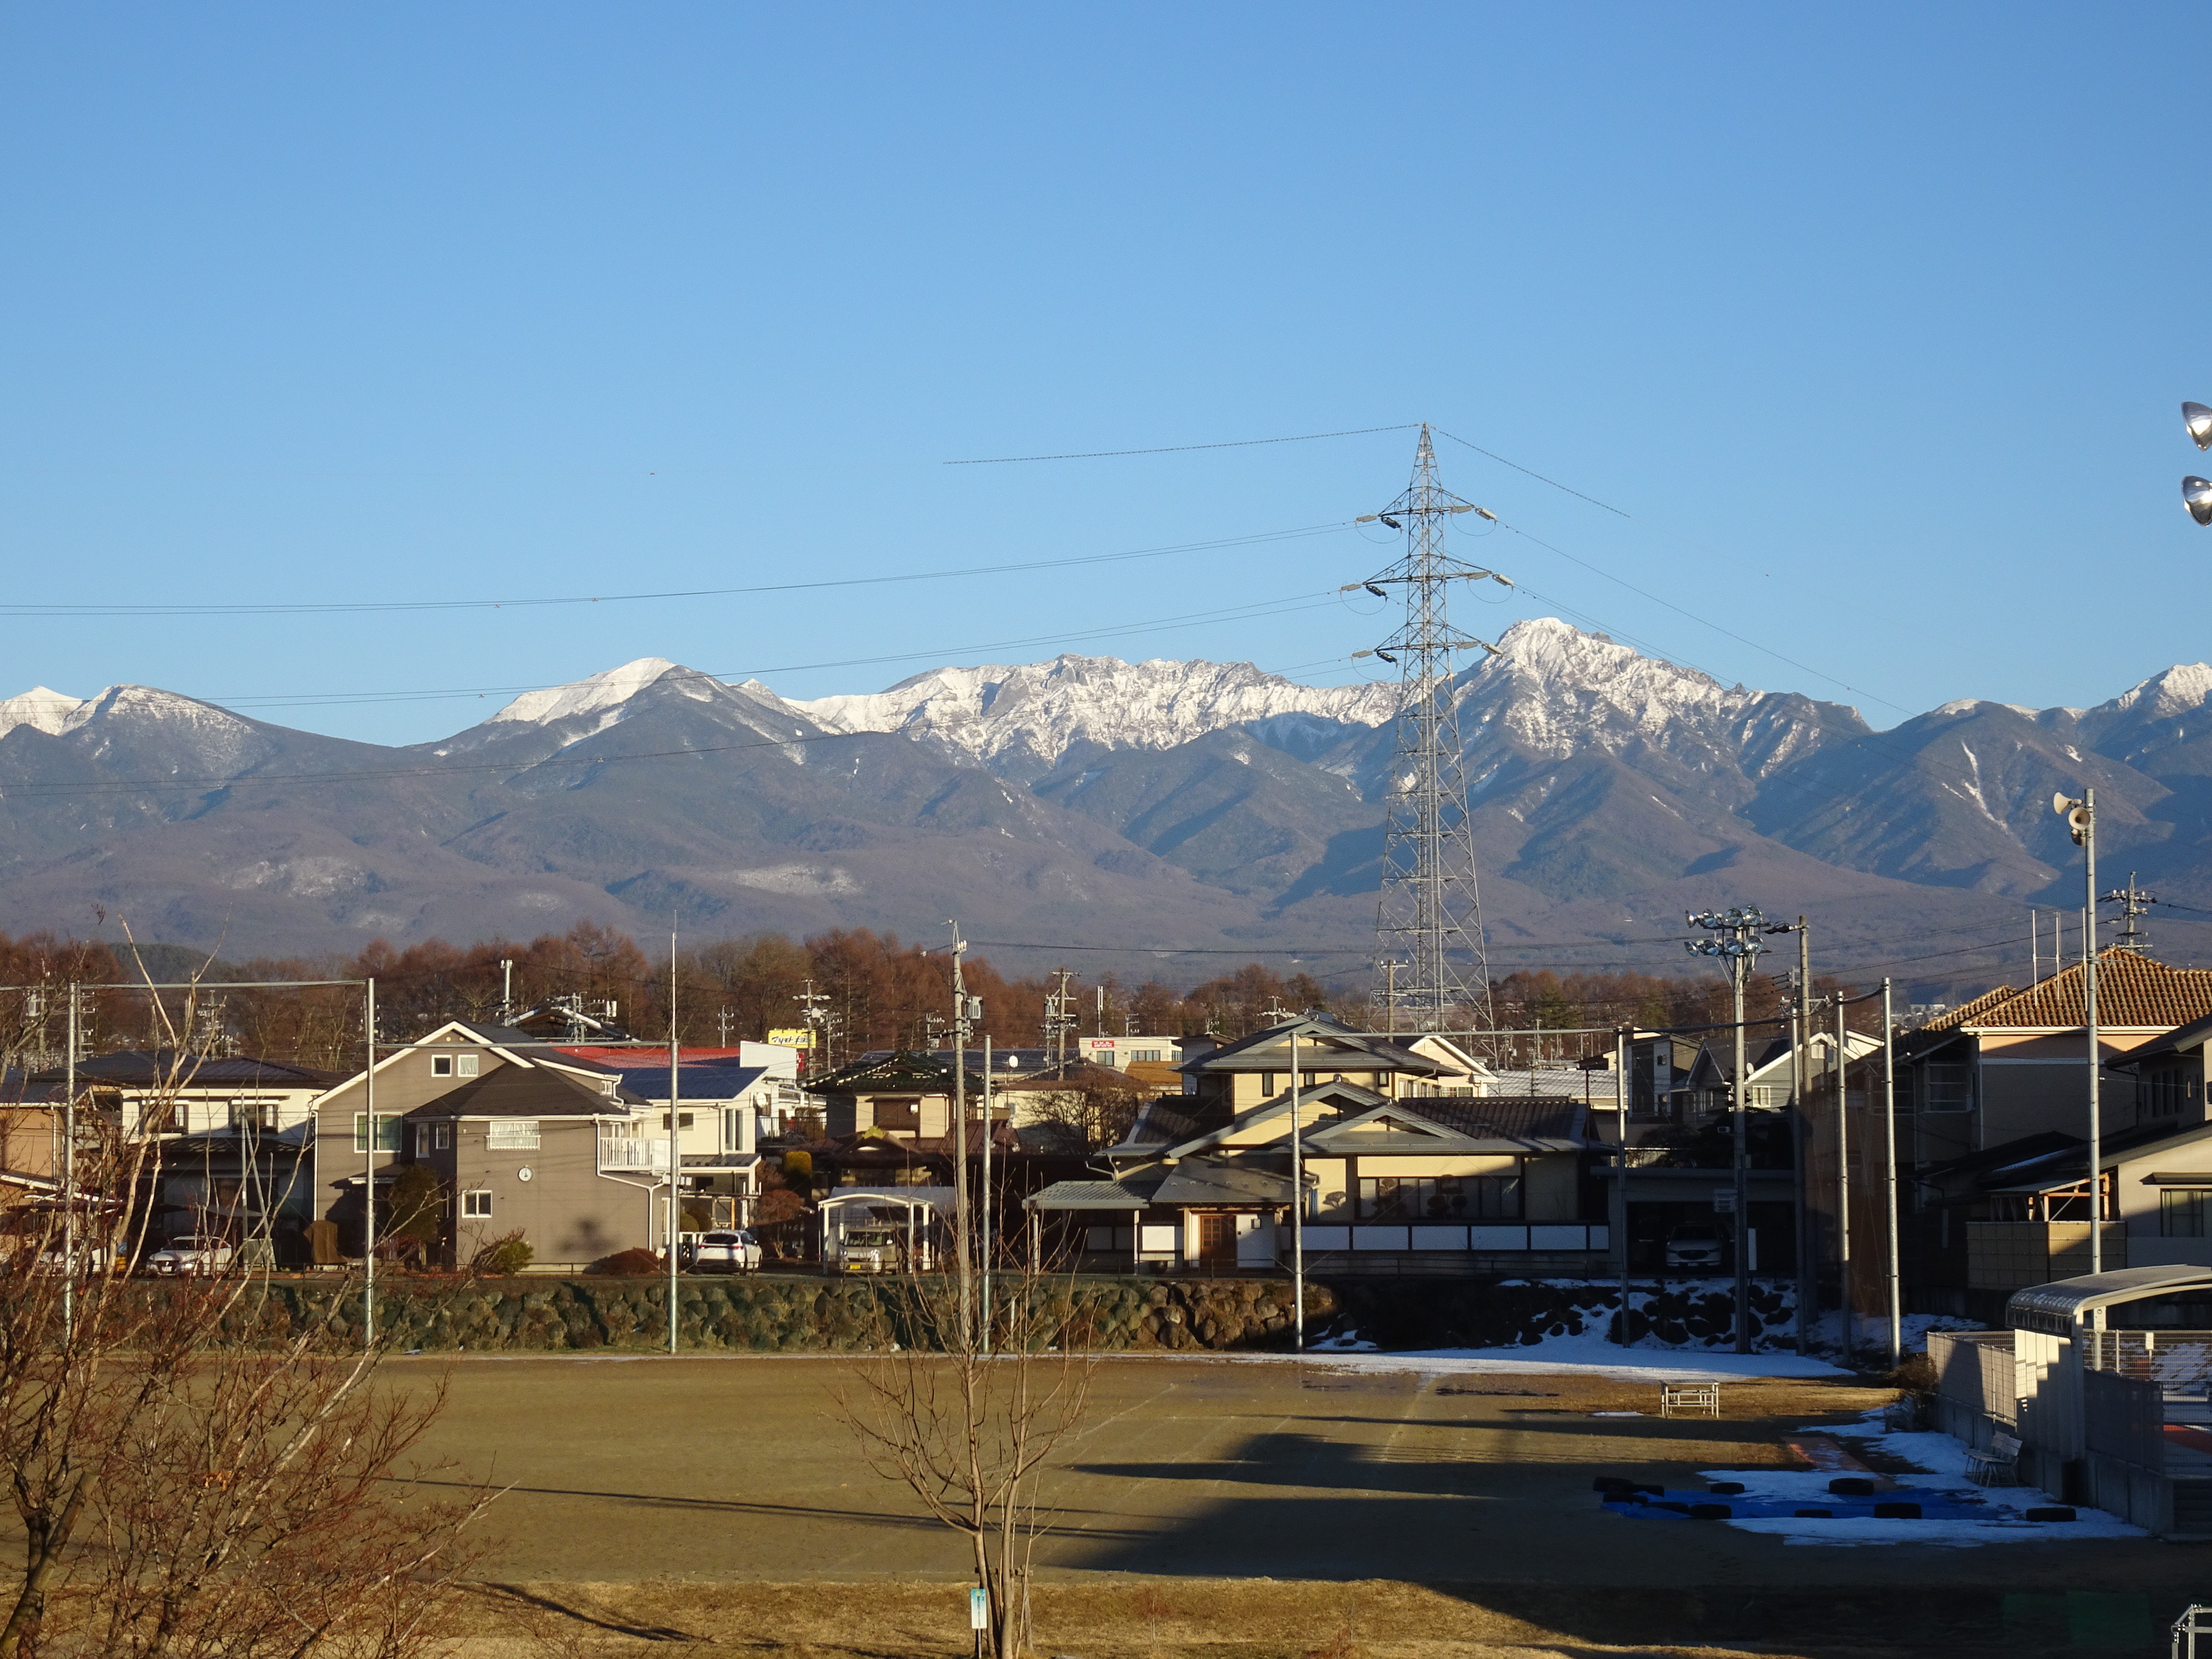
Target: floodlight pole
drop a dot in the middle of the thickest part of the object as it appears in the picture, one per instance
(984, 1231)
(1844, 1184)
(69, 1179)
(2095, 1058)
(959, 1136)
(1298, 1211)
(369, 1183)
(1619, 1207)
(1889, 1134)
(1735, 939)
(674, 1142)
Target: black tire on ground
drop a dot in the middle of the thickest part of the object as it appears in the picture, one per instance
(1724, 1488)
(1815, 1515)
(1897, 1511)
(1851, 1486)
(1612, 1483)
(1710, 1511)
(2051, 1512)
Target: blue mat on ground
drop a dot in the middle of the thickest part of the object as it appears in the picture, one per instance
(1936, 1503)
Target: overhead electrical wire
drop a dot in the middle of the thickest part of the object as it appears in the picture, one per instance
(352, 606)
(1185, 449)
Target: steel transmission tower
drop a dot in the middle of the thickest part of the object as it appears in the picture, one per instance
(1431, 960)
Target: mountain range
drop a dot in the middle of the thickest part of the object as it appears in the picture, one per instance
(1143, 807)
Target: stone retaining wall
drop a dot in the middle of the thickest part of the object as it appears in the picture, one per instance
(1108, 1315)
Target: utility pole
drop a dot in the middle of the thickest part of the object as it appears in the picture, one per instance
(1619, 1208)
(369, 1182)
(506, 990)
(811, 1004)
(2133, 902)
(1428, 916)
(1800, 1073)
(675, 1139)
(1735, 940)
(1297, 1211)
(2080, 818)
(1850, 1332)
(1889, 1133)
(988, 1237)
(68, 1176)
(961, 1024)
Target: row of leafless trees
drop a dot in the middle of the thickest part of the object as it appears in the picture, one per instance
(875, 992)
(198, 1471)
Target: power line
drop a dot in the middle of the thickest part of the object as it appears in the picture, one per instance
(1531, 472)
(347, 607)
(1184, 449)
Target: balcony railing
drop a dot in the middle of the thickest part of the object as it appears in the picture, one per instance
(650, 1156)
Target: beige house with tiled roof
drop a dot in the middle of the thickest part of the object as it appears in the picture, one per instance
(2013, 1062)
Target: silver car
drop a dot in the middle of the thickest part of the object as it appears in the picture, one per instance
(726, 1250)
(1696, 1244)
(187, 1257)
(869, 1250)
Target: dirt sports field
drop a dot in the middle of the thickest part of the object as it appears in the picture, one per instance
(1224, 1508)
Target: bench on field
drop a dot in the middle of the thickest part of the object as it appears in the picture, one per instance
(1998, 1465)
(1689, 1399)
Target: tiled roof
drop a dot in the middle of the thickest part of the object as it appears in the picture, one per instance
(893, 1073)
(2132, 990)
(1501, 1117)
(1968, 1013)
(525, 1092)
(150, 1069)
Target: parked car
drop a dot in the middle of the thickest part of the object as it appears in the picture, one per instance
(1696, 1244)
(185, 1257)
(726, 1250)
(869, 1250)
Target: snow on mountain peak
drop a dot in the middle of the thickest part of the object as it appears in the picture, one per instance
(1563, 688)
(2181, 689)
(603, 694)
(1043, 708)
(50, 711)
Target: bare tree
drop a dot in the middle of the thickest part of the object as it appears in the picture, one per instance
(968, 1416)
(192, 1476)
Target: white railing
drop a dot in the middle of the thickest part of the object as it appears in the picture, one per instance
(640, 1154)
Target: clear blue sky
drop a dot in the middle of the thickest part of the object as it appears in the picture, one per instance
(1875, 320)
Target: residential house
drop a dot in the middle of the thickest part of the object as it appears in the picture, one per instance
(522, 1138)
(904, 1094)
(227, 1140)
(171, 1092)
(2012, 1063)
(721, 1116)
(1392, 1181)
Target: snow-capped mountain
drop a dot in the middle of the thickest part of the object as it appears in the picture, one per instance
(1194, 803)
(1024, 717)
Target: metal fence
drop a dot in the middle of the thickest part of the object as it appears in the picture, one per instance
(1976, 1372)
(2124, 1417)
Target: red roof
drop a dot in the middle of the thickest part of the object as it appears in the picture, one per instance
(2132, 990)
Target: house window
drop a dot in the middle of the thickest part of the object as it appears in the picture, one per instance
(444, 1141)
(475, 1205)
(683, 1120)
(2181, 1212)
(453, 1064)
(1439, 1198)
(1146, 1057)
(513, 1134)
(897, 1112)
(387, 1133)
(254, 1114)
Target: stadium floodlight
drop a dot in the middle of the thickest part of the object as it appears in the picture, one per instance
(2199, 421)
(2197, 496)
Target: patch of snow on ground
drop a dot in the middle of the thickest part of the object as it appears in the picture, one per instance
(1943, 1463)
(1589, 1355)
